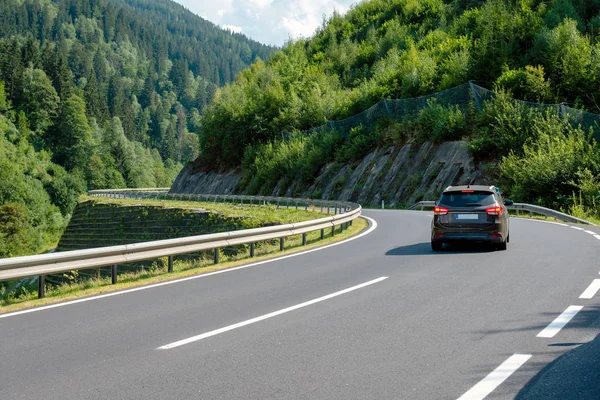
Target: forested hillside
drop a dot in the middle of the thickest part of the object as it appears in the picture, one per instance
(541, 51)
(100, 94)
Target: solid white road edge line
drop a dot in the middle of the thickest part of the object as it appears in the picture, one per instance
(223, 271)
(597, 237)
(591, 291)
(590, 232)
(488, 384)
(266, 316)
(560, 322)
(576, 227)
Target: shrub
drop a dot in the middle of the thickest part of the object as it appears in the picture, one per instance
(504, 126)
(526, 83)
(562, 160)
(440, 123)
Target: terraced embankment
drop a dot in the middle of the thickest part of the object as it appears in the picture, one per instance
(96, 223)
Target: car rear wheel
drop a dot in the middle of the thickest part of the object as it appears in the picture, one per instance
(502, 246)
(436, 246)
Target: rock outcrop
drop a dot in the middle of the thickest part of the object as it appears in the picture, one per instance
(399, 176)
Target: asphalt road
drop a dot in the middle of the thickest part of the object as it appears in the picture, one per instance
(379, 317)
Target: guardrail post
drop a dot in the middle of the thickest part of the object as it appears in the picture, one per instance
(304, 239)
(41, 287)
(113, 273)
(251, 249)
(322, 234)
(170, 264)
(281, 244)
(333, 230)
(216, 256)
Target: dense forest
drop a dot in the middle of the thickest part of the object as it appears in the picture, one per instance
(100, 94)
(544, 51)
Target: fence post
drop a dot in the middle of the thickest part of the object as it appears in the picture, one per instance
(475, 95)
(322, 234)
(304, 239)
(113, 273)
(387, 108)
(251, 249)
(216, 256)
(41, 287)
(332, 230)
(281, 244)
(563, 109)
(170, 264)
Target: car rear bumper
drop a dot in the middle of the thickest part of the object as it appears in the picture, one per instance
(467, 237)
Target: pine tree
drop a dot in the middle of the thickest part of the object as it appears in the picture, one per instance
(145, 97)
(72, 134)
(94, 100)
(116, 96)
(12, 70)
(31, 53)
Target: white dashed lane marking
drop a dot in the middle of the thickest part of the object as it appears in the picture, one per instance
(560, 322)
(488, 384)
(591, 291)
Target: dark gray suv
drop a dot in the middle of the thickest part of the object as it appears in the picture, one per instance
(470, 213)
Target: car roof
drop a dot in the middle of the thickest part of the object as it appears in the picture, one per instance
(481, 188)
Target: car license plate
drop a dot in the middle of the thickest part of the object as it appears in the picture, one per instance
(467, 216)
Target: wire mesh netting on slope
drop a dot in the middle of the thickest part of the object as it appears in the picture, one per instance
(462, 96)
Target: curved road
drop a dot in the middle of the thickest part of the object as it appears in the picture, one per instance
(379, 317)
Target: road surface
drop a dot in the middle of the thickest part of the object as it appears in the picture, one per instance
(377, 317)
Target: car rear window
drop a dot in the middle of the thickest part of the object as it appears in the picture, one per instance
(473, 199)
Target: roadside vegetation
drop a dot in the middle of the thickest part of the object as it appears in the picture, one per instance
(538, 51)
(100, 94)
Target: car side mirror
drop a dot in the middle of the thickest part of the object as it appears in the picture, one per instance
(508, 202)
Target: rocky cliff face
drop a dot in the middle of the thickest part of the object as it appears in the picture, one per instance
(194, 180)
(399, 176)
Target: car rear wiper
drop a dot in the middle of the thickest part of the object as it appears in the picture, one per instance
(473, 205)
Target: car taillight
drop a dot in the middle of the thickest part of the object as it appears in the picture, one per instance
(440, 210)
(494, 210)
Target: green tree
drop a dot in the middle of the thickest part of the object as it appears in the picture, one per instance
(527, 83)
(72, 134)
(40, 100)
(4, 102)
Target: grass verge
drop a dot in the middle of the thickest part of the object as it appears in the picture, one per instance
(253, 215)
(156, 270)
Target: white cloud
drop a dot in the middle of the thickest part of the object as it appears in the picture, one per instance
(269, 21)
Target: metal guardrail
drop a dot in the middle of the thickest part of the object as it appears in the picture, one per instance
(46, 264)
(331, 206)
(530, 208)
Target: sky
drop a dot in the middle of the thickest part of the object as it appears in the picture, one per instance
(268, 21)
